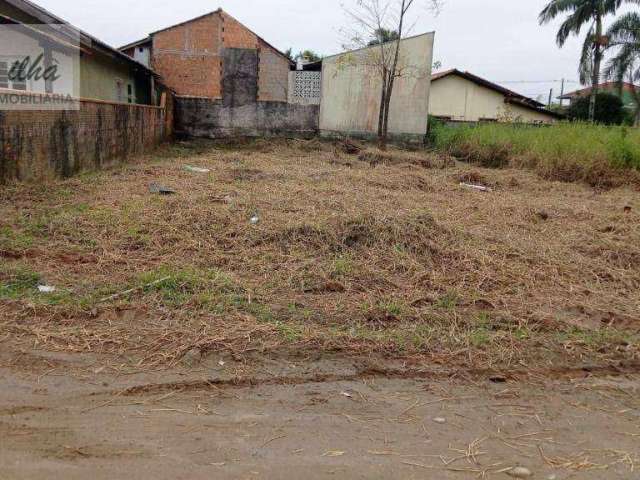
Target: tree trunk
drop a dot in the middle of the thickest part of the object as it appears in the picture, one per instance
(387, 105)
(597, 63)
(390, 79)
(382, 143)
(636, 99)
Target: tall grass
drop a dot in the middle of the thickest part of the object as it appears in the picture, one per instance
(599, 155)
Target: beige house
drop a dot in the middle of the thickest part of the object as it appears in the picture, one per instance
(463, 97)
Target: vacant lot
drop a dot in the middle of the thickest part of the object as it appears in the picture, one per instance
(298, 308)
(297, 245)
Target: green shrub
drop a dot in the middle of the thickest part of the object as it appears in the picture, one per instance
(609, 109)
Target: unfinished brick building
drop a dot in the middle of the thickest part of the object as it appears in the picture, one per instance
(227, 79)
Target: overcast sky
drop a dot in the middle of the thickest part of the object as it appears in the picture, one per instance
(496, 39)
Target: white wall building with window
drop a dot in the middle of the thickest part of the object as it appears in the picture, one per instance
(23, 45)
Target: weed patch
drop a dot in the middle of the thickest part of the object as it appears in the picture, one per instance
(397, 260)
(603, 157)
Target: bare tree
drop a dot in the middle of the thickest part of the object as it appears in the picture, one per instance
(369, 18)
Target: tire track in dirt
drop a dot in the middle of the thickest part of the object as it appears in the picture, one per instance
(620, 369)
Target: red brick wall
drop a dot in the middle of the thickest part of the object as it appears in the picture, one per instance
(188, 57)
(236, 35)
(40, 144)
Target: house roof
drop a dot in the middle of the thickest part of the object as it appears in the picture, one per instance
(137, 43)
(486, 83)
(48, 35)
(219, 11)
(66, 29)
(511, 96)
(607, 85)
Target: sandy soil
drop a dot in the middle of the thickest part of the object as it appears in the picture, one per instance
(65, 417)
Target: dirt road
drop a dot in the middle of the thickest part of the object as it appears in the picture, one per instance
(65, 417)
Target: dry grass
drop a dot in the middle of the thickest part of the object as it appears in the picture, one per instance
(398, 259)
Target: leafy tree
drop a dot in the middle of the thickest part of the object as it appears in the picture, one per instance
(383, 35)
(624, 35)
(580, 14)
(289, 53)
(609, 109)
(308, 55)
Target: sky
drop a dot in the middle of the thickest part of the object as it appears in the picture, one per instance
(499, 40)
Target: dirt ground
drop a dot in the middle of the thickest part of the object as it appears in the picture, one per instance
(282, 419)
(304, 309)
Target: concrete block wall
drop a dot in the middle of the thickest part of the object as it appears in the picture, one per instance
(41, 144)
(273, 67)
(201, 117)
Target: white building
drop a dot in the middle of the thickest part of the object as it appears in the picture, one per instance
(463, 97)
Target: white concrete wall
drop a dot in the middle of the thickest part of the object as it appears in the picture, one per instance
(142, 54)
(351, 90)
(463, 100)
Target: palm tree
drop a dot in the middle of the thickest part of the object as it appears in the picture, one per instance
(624, 35)
(581, 13)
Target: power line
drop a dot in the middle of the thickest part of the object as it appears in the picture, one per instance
(536, 81)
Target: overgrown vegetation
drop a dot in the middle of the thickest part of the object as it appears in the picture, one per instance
(355, 251)
(598, 155)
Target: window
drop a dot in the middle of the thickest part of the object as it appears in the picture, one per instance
(119, 90)
(141, 49)
(19, 82)
(130, 93)
(4, 74)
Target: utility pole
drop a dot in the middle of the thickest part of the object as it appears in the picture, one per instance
(550, 98)
(562, 93)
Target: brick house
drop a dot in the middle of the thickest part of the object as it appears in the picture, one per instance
(229, 81)
(216, 57)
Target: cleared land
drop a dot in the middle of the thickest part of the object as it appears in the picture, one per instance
(396, 258)
(366, 287)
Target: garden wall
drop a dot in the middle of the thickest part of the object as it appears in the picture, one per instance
(41, 144)
(203, 117)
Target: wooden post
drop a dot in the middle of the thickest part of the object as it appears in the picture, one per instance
(154, 97)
